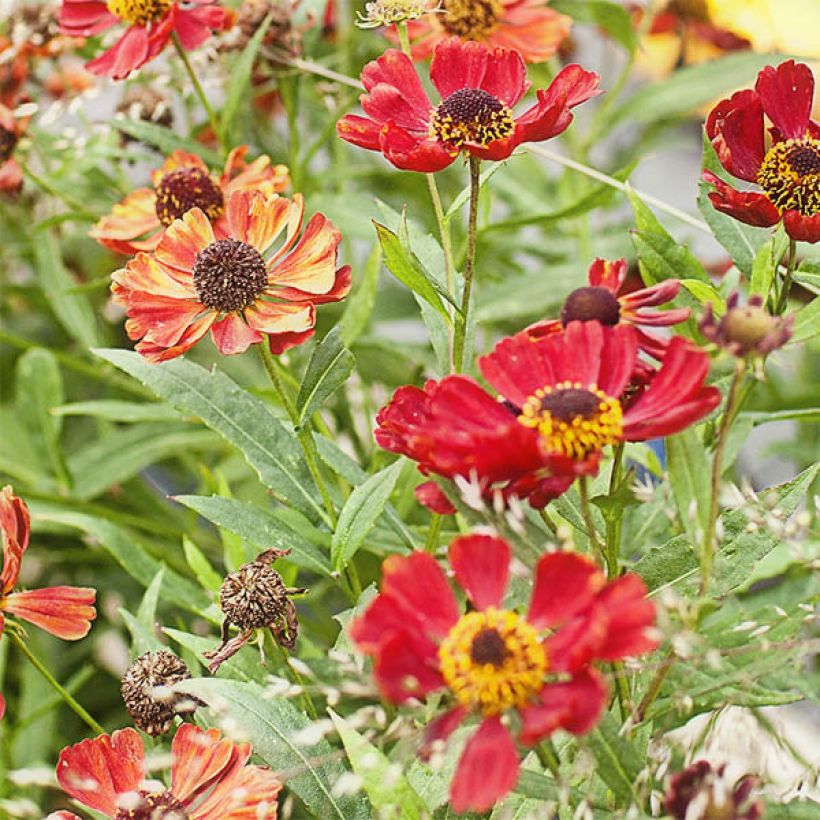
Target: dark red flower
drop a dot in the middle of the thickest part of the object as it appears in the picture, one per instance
(701, 786)
(563, 398)
(788, 172)
(479, 87)
(493, 660)
(150, 26)
(603, 301)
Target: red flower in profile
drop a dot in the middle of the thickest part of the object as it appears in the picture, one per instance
(210, 778)
(183, 182)
(562, 399)
(788, 172)
(63, 611)
(479, 87)
(195, 282)
(604, 302)
(494, 660)
(11, 174)
(529, 27)
(150, 24)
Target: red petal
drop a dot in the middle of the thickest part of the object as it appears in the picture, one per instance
(441, 728)
(482, 567)
(249, 792)
(750, 207)
(97, 771)
(565, 583)
(15, 523)
(233, 335)
(575, 706)
(66, 612)
(487, 769)
(802, 228)
(631, 615)
(508, 79)
(787, 92)
(517, 366)
(577, 643)
(280, 342)
(735, 128)
(126, 55)
(606, 274)
(359, 131)
(411, 153)
(618, 357)
(406, 666)
(384, 617)
(456, 65)
(432, 496)
(411, 107)
(85, 18)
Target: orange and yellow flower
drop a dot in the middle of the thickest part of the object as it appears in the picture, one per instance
(183, 182)
(234, 283)
(529, 27)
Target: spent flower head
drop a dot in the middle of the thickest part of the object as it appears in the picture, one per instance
(746, 330)
(389, 12)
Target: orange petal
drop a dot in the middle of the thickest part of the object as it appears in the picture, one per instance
(280, 317)
(66, 612)
(178, 159)
(15, 523)
(133, 217)
(184, 239)
(250, 792)
(233, 335)
(162, 320)
(193, 333)
(311, 266)
(143, 273)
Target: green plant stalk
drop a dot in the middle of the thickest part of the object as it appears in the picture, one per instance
(63, 693)
(200, 92)
(708, 549)
(469, 267)
(551, 525)
(548, 757)
(431, 544)
(654, 687)
(613, 526)
(69, 200)
(786, 286)
(295, 676)
(586, 514)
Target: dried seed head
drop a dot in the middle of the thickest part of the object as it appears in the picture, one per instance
(254, 596)
(147, 694)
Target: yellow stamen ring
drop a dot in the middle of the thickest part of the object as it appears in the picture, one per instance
(790, 175)
(493, 661)
(139, 12)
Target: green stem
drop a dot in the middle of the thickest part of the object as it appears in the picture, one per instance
(444, 232)
(708, 550)
(548, 757)
(296, 677)
(469, 267)
(551, 525)
(200, 92)
(654, 687)
(622, 689)
(63, 693)
(586, 514)
(69, 200)
(785, 288)
(613, 525)
(404, 38)
(431, 545)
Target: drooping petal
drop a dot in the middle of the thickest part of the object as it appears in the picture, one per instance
(311, 265)
(802, 228)
(406, 666)
(481, 564)
(516, 368)
(128, 54)
(577, 643)
(85, 18)
(279, 317)
(430, 495)
(611, 275)
(565, 584)
(487, 769)
(233, 335)
(98, 771)
(135, 216)
(16, 526)
(631, 617)
(63, 611)
(194, 26)
(192, 334)
(750, 207)
(413, 153)
(618, 357)
(248, 794)
(359, 131)
(787, 93)
(395, 69)
(735, 128)
(281, 342)
(440, 728)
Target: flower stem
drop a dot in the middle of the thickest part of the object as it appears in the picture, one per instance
(654, 687)
(586, 514)
(708, 550)
(200, 92)
(404, 38)
(551, 525)
(548, 757)
(613, 525)
(61, 691)
(785, 288)
(444, 232)
(432, 533)
(296, 676)
(469, 267)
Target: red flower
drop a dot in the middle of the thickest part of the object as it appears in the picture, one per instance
(529, 27)
(562, 400)
(789, 171)
(11, 174)
(479, 87)
(492, 659)
(210, 778)
(63, 611)
(604, 302)
(195, 282)
(184, 182)
(150, 26)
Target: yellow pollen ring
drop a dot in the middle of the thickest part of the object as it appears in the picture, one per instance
(470, 19)
(493, 687)
(139, 12)
(790, 175)
(582, 434)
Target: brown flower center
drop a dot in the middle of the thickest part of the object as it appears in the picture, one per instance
(151, 806)
(470, 19)
(689, 9)
(229, 275)
(253, 596)
(139, 12)
(790, 175)
(8, 142)
(471, 115)
(586, 304)
(185, 188)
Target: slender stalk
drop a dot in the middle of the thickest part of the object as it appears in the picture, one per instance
(613, 526)
(586, 514)
(296, 676)
(42, 182)
(708, 550)
(551, 525)
(783, 299)
(404, 37)
(654, 687)
(304, 434)
(444, 232)
(309, 67)
(61, 691)
(548, 757)
(622, 689)
(431, 545)
(200, 92)
(469, 267)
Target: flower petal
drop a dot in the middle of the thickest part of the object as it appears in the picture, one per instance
(565, 584)
(440, 728)
(311, 265)
(129, 53)
(359, 131)
(394, 69)
(406, 666)
(412, 153)
(487, 769)
(611, 275)
(456, 65)
(802, 228)
(735, 128)
(133, 217)
(233, 334)
(482, 568)
(750, 207)
(251, 792)
(631, 616)
(63, 611)
(15, 522)
(430, 495)
(787, 93)
(184, 239)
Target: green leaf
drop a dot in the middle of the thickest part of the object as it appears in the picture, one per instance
(690, 476)
(72, 310)
(405, 266)
(360, 512)
(142, 639)
(237, 416)
(618, 761)
(164, 139)
(611, 17)
(116, 410)
(39, 389)
(209, 579)
(240, 78)
(706, 292)
(330, 365)
(272, 725)
(259, 527)
(147, 612)
(808, 275)
(386, 788)
(806, 322)
(798, 414)
(690, 87)
(360, 303)
(464, 194)
(764, 268)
